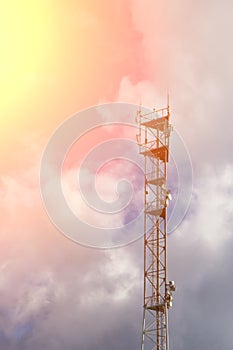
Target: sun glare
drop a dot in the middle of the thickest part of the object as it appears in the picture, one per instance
(23, 40)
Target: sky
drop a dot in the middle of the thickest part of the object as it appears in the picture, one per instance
(62, 57)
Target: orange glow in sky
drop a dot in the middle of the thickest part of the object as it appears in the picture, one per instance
(24, 42)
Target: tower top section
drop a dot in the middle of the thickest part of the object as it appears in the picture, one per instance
(154, 133)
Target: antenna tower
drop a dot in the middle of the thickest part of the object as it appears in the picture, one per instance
(153, 140)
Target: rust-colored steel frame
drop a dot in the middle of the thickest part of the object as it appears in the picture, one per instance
(153, 140)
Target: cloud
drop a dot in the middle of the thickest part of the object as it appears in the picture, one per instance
(200, 80)
(56, 294)
(199, 260)
(52, 290)
(142, 92)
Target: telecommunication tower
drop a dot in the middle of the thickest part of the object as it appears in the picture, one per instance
(153, 140)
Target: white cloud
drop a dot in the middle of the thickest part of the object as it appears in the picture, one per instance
(144, 92)
(67, 289)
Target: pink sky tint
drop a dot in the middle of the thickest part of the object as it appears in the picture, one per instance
(86, 42)
(107, 51)
(96, 136)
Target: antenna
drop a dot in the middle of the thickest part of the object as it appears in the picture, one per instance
(168, 100)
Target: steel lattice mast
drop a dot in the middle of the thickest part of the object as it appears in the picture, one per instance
(153, 140)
